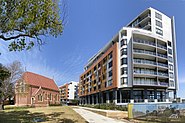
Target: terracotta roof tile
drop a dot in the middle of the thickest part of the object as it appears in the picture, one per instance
(39, 80)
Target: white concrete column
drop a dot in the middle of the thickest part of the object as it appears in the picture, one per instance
(146, 100)
(107, 97)
(131, 101)
(115, 96)
(155, 100)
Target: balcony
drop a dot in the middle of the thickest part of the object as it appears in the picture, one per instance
(162, 65)
(154, 83)
(144, 42)
(144, 52)
(149, 53)
(163, 74)
(162, 55)
(145, 72)
(161, 46)
(164, 84)
(140, 61)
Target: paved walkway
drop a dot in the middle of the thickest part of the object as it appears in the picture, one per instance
(94, 117)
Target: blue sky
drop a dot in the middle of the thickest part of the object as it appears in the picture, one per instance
(90, 25)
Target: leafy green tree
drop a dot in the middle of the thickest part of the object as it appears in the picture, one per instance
(23, 23)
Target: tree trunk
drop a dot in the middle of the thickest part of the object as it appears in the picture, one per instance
(1, 106)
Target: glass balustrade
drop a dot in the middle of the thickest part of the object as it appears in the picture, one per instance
(144, 42)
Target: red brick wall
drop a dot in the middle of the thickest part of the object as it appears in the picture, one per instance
(26, 98)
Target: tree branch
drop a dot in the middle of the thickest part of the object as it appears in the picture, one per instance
(15, 37)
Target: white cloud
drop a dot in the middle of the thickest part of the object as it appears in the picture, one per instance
(34, 61)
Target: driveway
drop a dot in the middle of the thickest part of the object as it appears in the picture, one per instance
(92, 117)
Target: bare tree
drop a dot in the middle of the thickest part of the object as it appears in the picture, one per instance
(7, 86)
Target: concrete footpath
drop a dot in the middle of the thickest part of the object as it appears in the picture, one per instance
(94, 117)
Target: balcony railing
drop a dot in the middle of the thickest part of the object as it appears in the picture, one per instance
(144, 62)
(145, 72)
(162, 46)
(164, 83)
(149, 52)
(145, 83)
(162, 55)
(144, 42)
(144, 52)
(163, 74)
(161, 64)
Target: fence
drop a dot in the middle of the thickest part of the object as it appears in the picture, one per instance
(164, 112)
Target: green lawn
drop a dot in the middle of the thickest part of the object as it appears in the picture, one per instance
(54, 114)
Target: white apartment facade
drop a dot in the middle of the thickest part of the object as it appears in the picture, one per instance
(146, 63)
(69, 91)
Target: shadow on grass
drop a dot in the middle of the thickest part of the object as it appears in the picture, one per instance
(28, 117)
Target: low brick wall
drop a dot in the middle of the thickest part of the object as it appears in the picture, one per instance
(109, 113)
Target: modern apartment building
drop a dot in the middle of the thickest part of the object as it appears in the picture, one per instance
(68, 91)
(138, 65)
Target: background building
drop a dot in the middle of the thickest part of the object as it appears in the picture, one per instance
(36, 90)
(138, 65)
(68, 92)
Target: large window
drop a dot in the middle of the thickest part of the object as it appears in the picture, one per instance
(110, 64)
(158, 23)
(123, 70)
(110, 55)
(170, 67)
(40, 97)
(110, 73)
(123, 61)
(124, 51)
(170, 59)
(159, 31)
(159, 16)
(171, 75)
(123, 42)
(170, 51)
(124, 80)
(169, 43)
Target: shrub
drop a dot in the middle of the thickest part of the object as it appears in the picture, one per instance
(107, 106)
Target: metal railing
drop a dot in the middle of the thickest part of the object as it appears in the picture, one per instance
(164, 83)
(144, 42)
(145, 72)
(162, 55)
(162, 46)
(144, 51)
(145, 83)
(140, 61)
(161, 64)
(163, 74)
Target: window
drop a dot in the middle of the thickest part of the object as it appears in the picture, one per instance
(124, 51)
(169, 43)
(123, 61)
(172, 83)
(109, 82)
(158, 23)
(170, 67)
(124, 80)
(123, 70)
(104, 60)
(110, 64)
(95, 68)
(123, 33)
(170, 51)
(110, 73)
(159, 31)
(110, 55)
(40, 97)
(171, 75)
(159, 16)
(123, 42)
(170, 59)
(99, 65)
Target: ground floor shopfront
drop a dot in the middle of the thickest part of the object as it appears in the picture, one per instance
(122, 96)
